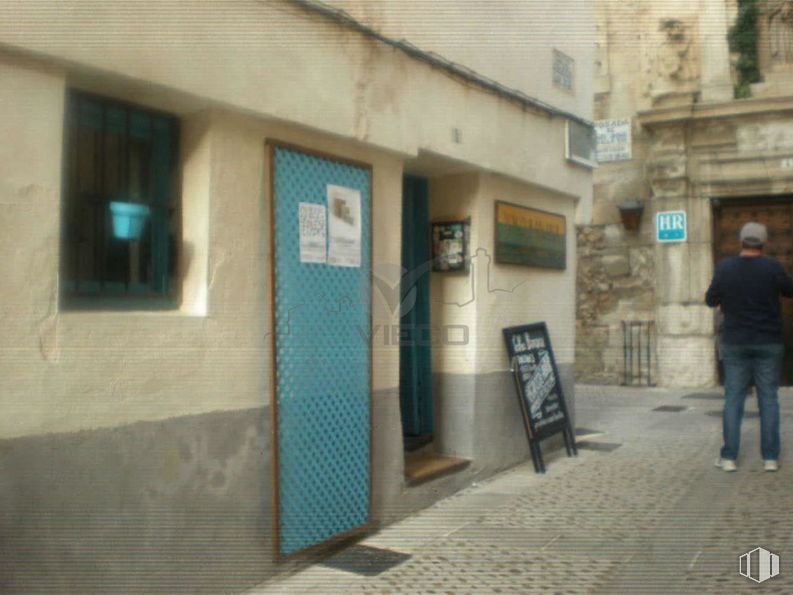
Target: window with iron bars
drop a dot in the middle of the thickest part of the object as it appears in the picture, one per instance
(120, 213)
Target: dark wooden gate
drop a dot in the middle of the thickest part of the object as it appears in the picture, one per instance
(777, 215)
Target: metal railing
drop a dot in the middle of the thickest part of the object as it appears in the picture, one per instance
(638, 339)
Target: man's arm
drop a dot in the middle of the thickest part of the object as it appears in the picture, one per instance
(714, 293)
(785, 283)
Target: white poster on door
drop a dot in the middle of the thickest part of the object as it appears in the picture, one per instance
(313, 233)
(344, 226)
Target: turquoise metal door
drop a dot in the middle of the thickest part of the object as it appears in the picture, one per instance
(322, 363)
(415, 372)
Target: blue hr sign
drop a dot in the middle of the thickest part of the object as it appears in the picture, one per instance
(670, 226)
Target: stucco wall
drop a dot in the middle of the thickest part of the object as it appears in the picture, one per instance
(68, 370)
(177, 505)
(516, 294)
(272, 58)
(146, 402)
(510, 41)
(30, 170)
(477, 413)
(129, 399)
(492, 296)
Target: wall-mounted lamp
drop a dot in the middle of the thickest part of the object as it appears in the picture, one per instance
(631, 214)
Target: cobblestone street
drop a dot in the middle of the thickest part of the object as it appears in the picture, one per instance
(642, 509)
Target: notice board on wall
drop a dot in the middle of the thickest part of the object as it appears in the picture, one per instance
(530, 237)
(538, 387)
(450, 245)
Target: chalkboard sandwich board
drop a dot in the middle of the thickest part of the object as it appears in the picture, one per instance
(538, 387)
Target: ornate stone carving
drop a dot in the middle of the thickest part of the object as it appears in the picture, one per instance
(673, 61)
(780, 31)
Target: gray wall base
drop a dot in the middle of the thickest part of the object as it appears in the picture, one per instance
(178, 505)
(186, 504)
(478, 417)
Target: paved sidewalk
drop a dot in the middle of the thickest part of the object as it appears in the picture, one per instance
(653, 515)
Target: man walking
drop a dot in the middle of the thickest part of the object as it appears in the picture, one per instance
(747, 288)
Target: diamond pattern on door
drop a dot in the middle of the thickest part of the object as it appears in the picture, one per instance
(322, 363)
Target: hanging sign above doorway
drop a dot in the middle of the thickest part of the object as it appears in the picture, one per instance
(671, 226)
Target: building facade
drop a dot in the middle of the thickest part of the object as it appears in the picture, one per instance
(687, 127)
(220, 324)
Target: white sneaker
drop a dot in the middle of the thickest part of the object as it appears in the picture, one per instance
(727, 464)
(771, 465)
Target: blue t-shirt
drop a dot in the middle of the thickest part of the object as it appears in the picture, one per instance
(748, 289)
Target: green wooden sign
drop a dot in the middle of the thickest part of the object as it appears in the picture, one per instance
(530, 237)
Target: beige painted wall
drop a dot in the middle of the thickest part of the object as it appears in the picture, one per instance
(29, 223)
(454, 295)
(272, 58)
(510, 41)
(234, 73)
(493, 296)
(69, 370)
(520, 295)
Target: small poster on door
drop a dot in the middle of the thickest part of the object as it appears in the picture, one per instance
(313, 233)
(344, 226)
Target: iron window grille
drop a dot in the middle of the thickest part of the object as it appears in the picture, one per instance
(118, 153)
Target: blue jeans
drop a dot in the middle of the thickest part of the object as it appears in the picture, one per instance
(744, 365)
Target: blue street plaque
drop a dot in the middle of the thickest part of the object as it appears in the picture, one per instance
(671, 226)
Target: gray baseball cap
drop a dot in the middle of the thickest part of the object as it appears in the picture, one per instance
(754, 234)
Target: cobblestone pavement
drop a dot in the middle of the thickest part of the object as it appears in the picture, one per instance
(651, 516)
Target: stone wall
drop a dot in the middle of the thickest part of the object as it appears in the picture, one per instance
(616, 283)
(692, 143)
(653, 57)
